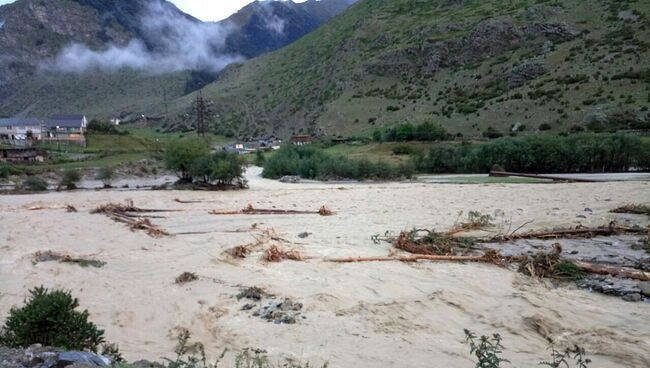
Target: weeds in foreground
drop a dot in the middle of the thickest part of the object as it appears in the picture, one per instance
(489, 350)
(192, 355)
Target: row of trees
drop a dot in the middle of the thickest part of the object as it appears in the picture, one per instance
(314, 163)
(541, 153)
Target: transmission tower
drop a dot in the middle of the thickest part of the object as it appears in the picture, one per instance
(201, 126)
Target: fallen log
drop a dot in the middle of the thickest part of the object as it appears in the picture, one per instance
(413, 258)
(539, 176)
(250, 210)
(580, 232)
(623, 272)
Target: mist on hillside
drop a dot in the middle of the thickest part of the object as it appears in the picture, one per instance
(175, 43)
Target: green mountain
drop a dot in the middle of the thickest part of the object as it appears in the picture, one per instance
(521, 65)
(125, 58)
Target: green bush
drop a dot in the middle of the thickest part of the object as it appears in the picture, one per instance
(106, 175)
(404, 149)
(51, 319)
(70, 179)
(180, 156)
(424, 132)
(221, 167)
(35, 184)
(103, 127)
(7, 170)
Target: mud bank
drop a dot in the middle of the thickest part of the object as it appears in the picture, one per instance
(355, 315)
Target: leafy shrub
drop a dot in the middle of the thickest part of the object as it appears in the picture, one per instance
(545, 127)
(403, 149)
(7, 170)
(70, 179)
(220, 167)
(103, 127)
(180, 156)
(35, 184)
(492, 133)
(51, 319)
(106, 175)
(424, 132)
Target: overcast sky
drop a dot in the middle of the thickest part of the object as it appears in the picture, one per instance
(203, 9)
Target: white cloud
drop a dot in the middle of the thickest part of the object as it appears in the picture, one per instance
(213, 10)
(181, 45)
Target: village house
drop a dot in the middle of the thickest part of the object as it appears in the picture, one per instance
(22, 155)
(67, 128)
(20, 131)
(301, 140)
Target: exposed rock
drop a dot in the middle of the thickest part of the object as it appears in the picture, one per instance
(644, 287)
(633, 297)
(628, 16)
(37, 356)
(292, 179)
(610, 285)
(489, 38)
(556, 32)
(525, 72)
(541, 12)
(146, 364)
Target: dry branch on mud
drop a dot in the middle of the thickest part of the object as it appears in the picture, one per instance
(126, 214)
(634, 209)
(250, 210)
(578, 232)
(67, 208)
(50, 256)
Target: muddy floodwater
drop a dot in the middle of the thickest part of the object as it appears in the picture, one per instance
(386, 314)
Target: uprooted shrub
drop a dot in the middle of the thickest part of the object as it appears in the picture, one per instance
(51, 318)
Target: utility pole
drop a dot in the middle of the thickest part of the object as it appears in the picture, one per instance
(201, 127)
(165, 102)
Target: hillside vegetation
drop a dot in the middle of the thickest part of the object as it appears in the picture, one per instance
(469, 65)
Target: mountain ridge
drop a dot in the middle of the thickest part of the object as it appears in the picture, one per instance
(467, 65)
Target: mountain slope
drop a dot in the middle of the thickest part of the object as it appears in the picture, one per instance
(125, 57)
(465, 64)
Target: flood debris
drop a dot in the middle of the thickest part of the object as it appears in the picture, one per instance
(66, 207)
(250, 210)
(577, 232)
(634, 209)
(550, 265)
(252, 293)
(277, 254)
(50, 256)
(268, 307)
(186, 277)
(129, 214)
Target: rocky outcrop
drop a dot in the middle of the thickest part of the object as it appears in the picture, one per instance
(487, 39)
(524, 72)
(37, 356)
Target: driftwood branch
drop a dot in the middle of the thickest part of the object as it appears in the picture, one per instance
(624, 272)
